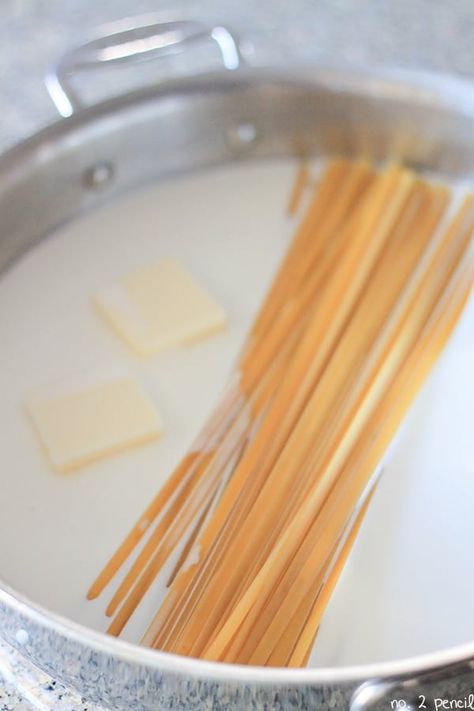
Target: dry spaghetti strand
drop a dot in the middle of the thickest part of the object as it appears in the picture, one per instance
(299, 185)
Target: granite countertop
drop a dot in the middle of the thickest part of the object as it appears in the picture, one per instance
(25, 688)
(422, 34)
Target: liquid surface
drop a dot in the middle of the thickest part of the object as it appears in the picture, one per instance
(407, 586)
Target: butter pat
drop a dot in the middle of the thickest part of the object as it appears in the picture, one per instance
(92, 416)
(158, 307)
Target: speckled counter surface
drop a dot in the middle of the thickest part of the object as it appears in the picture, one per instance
(24, 688)
(426, 34)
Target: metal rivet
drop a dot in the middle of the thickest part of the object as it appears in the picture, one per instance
(242, 135)
(22, 637)
(98, 176)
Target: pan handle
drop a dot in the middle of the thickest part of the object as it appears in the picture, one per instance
(427, 690)
(135, 39)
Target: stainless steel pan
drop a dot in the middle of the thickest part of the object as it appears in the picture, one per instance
(238, 113)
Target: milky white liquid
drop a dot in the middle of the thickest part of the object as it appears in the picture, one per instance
(407, 587)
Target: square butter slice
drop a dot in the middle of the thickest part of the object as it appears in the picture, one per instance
(158, 307)
(92, 416)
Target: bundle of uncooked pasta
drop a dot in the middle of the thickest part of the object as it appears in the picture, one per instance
(267, 503)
